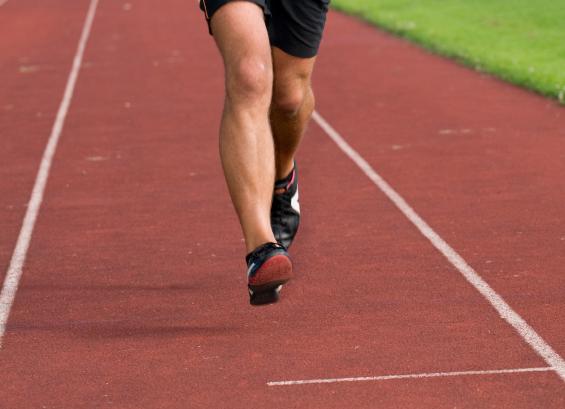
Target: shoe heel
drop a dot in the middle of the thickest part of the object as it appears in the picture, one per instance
(265, 296)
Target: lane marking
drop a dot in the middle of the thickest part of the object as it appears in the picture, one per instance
(14, 273)
(2, 2)
(538, 344)
(408, 376)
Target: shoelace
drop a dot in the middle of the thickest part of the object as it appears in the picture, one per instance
(278, 210)
(286, 183)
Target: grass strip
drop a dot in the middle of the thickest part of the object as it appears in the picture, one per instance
(520, 41)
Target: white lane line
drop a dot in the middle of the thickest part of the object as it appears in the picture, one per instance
(2, 2)
(529, 335)
(14, 272)
(408, 376)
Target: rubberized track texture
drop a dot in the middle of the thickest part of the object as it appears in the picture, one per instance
(127, 298)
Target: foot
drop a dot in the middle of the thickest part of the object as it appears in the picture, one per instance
(285, 210)
(268, 268)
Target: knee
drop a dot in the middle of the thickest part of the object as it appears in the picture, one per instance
(289, 98)
(250, 79)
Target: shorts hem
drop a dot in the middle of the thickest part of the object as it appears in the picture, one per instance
(296, 50)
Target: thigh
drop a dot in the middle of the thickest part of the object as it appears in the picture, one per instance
(290, 71)
(296, 26)
(209, 7)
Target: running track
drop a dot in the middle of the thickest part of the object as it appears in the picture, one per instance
(133, 290)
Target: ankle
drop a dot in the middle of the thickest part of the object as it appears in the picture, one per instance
(284, 170)
(253, 243)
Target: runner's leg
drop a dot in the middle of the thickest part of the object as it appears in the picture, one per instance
(246, 142)
(292, 106)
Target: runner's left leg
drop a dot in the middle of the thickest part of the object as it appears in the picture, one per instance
(291, 107)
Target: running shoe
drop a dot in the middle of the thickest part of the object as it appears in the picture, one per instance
(268, 268)
(285, 209)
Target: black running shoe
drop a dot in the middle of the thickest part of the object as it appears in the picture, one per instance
(285, 209)
(268, 268)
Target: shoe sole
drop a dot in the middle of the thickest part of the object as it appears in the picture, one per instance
(268, 281)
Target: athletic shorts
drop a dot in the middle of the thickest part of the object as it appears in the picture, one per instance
(294, 26)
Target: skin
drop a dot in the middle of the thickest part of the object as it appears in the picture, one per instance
(267, 106)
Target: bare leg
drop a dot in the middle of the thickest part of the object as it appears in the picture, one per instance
(292, 106)
(246, 142)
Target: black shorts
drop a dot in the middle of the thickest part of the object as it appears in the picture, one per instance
(294, 26)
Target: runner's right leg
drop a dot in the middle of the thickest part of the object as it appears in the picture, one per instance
(246, 142)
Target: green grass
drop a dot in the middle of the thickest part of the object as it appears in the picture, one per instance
(521, 41)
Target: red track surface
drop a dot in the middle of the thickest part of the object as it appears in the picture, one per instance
(133, 293)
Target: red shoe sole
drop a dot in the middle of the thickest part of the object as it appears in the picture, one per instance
(274, 272)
